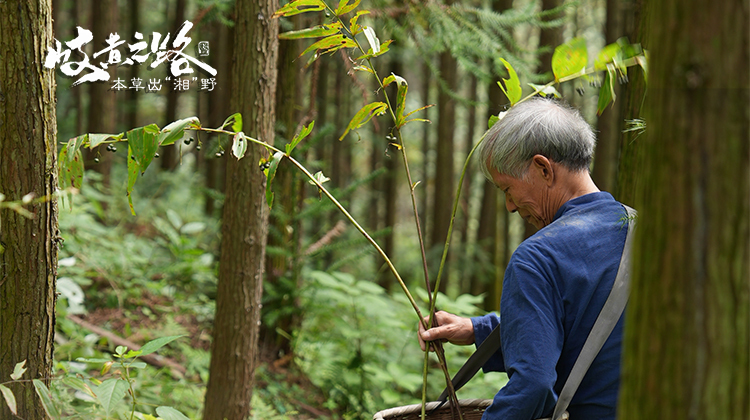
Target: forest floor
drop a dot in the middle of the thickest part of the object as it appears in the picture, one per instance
(278, 381)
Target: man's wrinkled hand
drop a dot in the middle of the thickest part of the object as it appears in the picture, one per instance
(451, 328)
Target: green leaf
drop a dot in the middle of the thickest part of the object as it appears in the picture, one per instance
(236, 121)
(512, 88)
(46, 398)
(79, 385)
(133, 170)
(299, 6)
(495, 118)
(143, 142)
(155, 345)
(381, 50)
(131, 354)
(18, 371)
(545, 90)
(607, 91)
(70, 173)
(299, 137)
(97, 139)
(364, 115)
(110, 393)
(239, 145)
(330, 44)
(608, 54)
(74, 144)
(345, 8)
(137, 365)
(403, 88)
(314, 32)
(354, 27)
(95, 360)
(10, 399)
(175, 131)
(569, 59)
(169, 413)
(270, 173)
(420, 109)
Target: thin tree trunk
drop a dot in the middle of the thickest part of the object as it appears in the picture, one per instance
(102, 100)
(218, 104)
(463, 221)
(489, 236)
(278, 266)
(169, 154)
(423, 188)
(28, 246)
(131, 101)
(687, 338)
(234, 351)
(611, 121)
(444, 173)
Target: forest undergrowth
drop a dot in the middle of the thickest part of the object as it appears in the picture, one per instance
(125, 279)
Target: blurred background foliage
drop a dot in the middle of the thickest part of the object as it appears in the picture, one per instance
(338, 339)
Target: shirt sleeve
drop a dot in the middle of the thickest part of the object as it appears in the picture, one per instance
(532, 337)
(483, 326)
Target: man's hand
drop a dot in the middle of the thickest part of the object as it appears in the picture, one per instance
(452, 328)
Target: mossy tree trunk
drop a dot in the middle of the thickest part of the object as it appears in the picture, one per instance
(28, 164)
(687, 339)
(234, 352)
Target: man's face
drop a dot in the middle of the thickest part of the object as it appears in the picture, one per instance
(526, 196)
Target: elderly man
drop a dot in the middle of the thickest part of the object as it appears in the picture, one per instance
(557, 280)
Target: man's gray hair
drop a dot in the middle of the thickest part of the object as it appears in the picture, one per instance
(537, 126)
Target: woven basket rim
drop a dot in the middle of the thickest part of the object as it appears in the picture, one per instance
(409, 409)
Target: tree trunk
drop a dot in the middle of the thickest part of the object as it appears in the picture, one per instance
(28, 246)
(234, 351)
(169, 155)
(131, 101)
(218, 104)
(102, 100)
(279, 265)
(465, 216)
(610, 123)
(444, 184)
(423, 187)
(632, 101)
(687, 339)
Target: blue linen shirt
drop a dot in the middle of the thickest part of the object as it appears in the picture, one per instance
(554, 288)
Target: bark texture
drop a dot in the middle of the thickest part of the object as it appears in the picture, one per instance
(234, 352)
(687, 339)
(28, 246)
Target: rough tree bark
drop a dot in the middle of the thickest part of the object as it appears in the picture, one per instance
(28, 164)
(687, 338)
(234, 352)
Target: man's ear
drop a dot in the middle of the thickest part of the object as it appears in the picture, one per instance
(544, 168)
